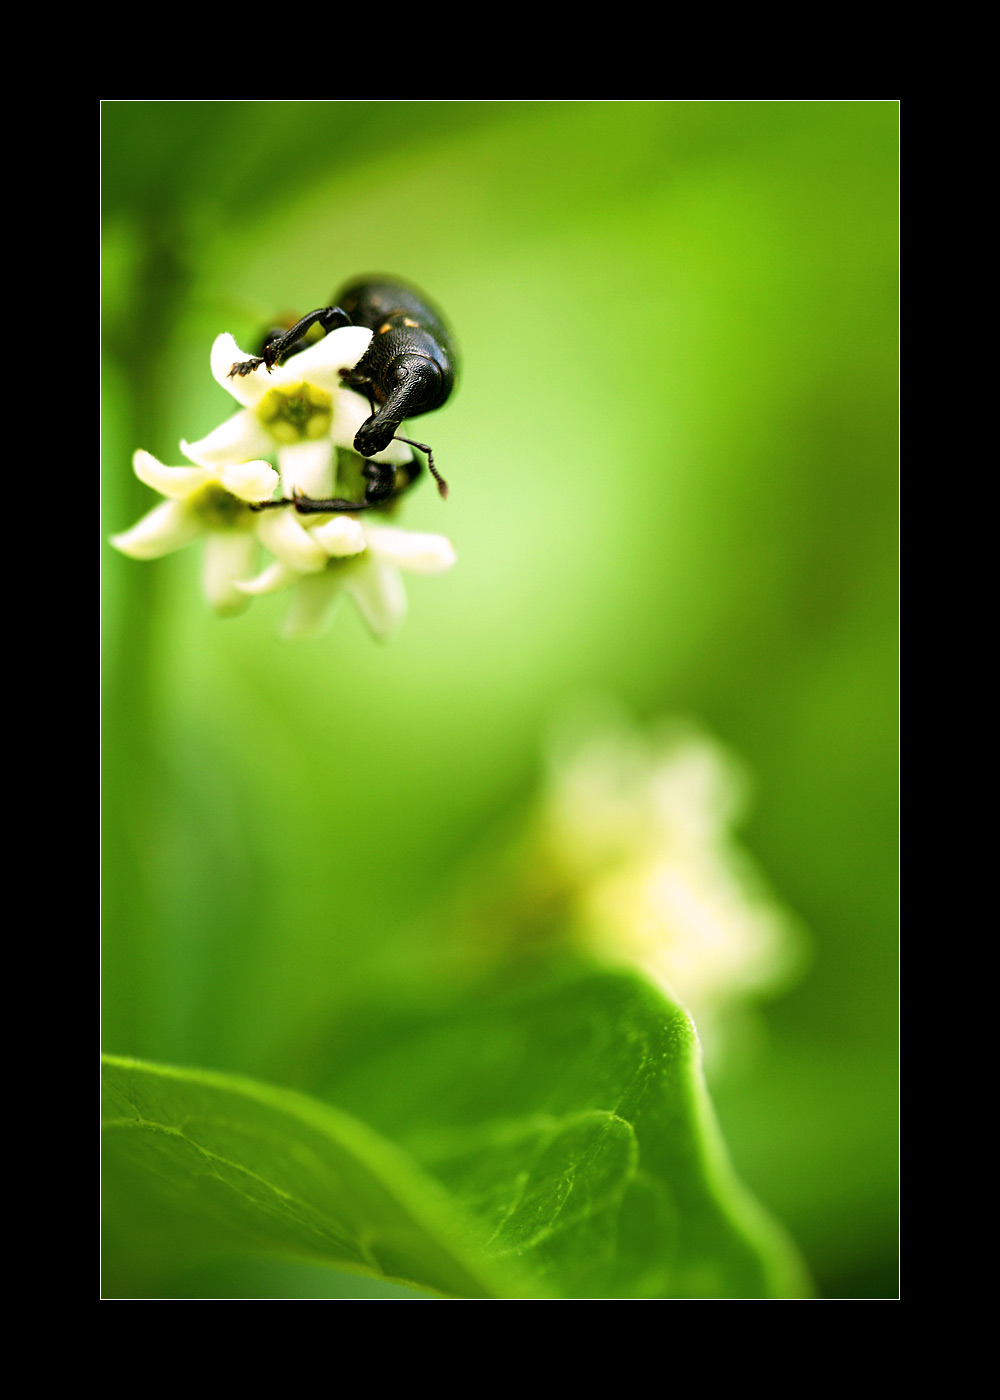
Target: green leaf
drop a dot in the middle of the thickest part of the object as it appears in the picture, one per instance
(552, 1142)
(200, 1163)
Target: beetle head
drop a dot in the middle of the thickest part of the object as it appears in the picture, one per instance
(412, 384)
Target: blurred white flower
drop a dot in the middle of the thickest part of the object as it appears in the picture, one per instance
(300, 410)
(355, 558)
(640, 832)
(209, 502)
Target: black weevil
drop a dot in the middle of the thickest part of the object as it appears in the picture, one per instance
(409, 368)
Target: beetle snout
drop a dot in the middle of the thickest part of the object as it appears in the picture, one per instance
(373, 437)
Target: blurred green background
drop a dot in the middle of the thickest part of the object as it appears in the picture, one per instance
(672, 459)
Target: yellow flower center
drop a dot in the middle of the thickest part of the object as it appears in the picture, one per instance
(220, 509)
(296, 413)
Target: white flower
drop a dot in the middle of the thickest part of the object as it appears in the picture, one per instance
(301, 410)
(640, 833)
(210, 501)
(356, 558)
(302, 414)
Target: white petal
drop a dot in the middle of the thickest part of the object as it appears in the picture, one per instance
(271, 580)
(316, 600)
(340, 536)
(307, 467)
(350, 410)
(246, 389)
(251, 481)
(411, 550)
(175, 482)
(229, 556)
(283, 534)
(378, 591)
(239, 439)
(167, 527)
(321, 363)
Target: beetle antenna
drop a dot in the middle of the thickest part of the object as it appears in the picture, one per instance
(442, 485)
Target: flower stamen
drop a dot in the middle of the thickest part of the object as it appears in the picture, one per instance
(296, 412)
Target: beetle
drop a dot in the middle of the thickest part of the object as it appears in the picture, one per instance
(408, 369)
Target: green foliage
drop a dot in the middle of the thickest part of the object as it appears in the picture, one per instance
(555, 1142)
(672, 457)
(200, 1162)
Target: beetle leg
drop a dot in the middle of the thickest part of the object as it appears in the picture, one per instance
(309, 505)
(306, 505)
(247, 366)
(382, 490)
(360, 381)
(381, 478)
(328, 317)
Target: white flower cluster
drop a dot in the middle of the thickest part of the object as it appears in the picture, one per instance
(640, 831)
(301, 414)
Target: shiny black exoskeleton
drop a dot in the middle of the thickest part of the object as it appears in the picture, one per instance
(408, 369)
